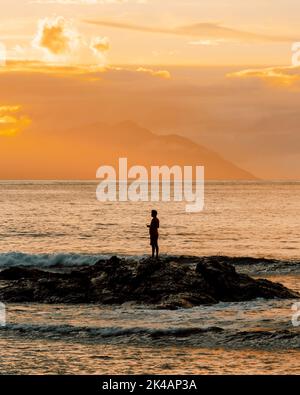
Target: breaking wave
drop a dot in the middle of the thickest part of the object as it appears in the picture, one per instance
(12, 259)
(192, 336)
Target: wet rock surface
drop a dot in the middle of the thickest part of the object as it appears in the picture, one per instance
(170, 282)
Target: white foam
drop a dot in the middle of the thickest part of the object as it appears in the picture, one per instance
(12, 259)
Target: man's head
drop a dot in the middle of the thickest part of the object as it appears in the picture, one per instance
(153, 213)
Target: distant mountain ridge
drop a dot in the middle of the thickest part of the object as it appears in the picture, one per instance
(143, 147)
(77, 153)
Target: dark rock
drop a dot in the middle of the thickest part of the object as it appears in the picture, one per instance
(14, 273)
(169, 283)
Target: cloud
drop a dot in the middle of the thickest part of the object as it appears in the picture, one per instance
(155, 73)
(206, 42)
(86, 72)
(58, 44)
(62, 44)
(99, 45)
(282, 76)
(39, 67)
(11, 121)
(205, 31)
(88, 2)
(55, 36)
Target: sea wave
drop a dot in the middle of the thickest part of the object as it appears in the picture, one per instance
(12, 259)
(254, 266)
(17, 259)
(210, 337)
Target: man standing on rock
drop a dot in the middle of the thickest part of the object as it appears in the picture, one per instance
(153, 231)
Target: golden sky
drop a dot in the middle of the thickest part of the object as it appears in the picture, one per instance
(218, 72)
(215, 32)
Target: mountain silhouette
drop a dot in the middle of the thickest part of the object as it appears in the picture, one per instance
(77, 153)
(143, 147)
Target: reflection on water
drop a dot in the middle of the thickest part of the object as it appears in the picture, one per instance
(40, 357)
(253, 219)
(242, 338)
(240, 219)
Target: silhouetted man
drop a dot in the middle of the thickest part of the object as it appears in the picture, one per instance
(153, 231)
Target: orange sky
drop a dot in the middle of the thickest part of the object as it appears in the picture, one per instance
(219, 73)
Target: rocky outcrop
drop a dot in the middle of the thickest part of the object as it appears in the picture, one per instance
(170, 282)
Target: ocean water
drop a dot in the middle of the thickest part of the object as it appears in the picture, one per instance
(253, 219)
(49, 224)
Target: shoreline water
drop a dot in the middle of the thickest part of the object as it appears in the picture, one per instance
(73, 231)
(251, 337)
(254, 337)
